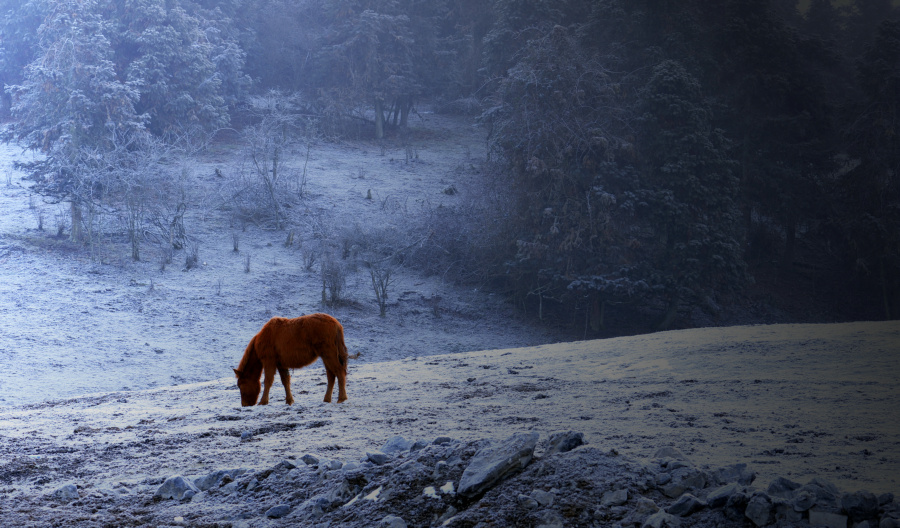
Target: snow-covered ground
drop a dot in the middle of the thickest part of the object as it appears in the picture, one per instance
(114, 374)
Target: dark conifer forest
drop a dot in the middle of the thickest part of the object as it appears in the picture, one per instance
(651, 164)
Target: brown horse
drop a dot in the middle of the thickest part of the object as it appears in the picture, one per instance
(284, 344)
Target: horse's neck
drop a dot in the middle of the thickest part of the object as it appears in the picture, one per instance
(252, 365)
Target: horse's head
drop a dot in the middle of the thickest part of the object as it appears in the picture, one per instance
(249, 387)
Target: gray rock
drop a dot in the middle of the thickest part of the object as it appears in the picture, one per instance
(684, 479)
(785, 512)
(442, 440)
(661, 519)
(736, 506)
(491, 464)
(760, 510)
(543, 498)
(614, 498)
(176, 487)
(215, 478)
(827, 519)
(440, 469)
(718, 497)
(246, 435)
(310, 460)
(279, 511)
(527, 502)
(885, 498)
(734, 473)
(67, 493)
(377, 458)
(669, 452)
(419, 444)
(825, 492)
(396, 444)
(331, 465)
(686, 505)
(392, 521)
(645, 506)
(550, 519)
(859, 506)
(782, 488)
(803, 500)
(889, 522)
(564, 441)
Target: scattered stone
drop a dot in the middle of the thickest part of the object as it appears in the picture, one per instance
(682, 480)
(669, 452)
(396, 444)
(734, 473)
(543, 498)
(527, 502)
(279, 511)
(803, 500)
(859, 506)
(550, 519)
(718, 497)
(614, 498)
(67, 493)
(785, 513)
(310, 460)
(760, 510)
(562, 442)
(442, 440)
(418, 444)
(217, 478)
(176, 487)
(644, 506)
(736, 506)
(661, 519)
(885, 498)
(246, 435)
(827, 519)
(826, 493)
(392, 521)
(492, 464)
(686, 505)
(377, 458)
(782, 488)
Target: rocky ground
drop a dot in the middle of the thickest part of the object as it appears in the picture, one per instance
(741, 426)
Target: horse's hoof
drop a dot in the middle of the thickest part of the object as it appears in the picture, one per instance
(289, 402)
(342, 400)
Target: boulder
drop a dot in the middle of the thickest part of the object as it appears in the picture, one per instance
(279, 511)
(827, 519)
(392, 521)
(718, 497)
(562, 442)
(67, 493)
(859, 506)
(686, 505)
(176, 487)
(493, 463)
(760, 510)
(396, 444)
(216, 478)
(782, 488)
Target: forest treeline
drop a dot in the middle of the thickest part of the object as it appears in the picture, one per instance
(649, 161)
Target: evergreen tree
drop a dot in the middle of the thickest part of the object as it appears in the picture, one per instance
(687, 195)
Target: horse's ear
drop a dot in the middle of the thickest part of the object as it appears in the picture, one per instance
(237, 373)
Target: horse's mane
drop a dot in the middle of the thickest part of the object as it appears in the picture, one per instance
(250, 359)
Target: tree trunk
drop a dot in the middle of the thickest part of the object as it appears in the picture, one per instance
(379, 118)
(75, 235)
(405, 107)
(790, 238)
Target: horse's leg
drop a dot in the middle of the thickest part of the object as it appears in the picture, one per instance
(269, 378)
(330, 385)
(342, 385)
(286, 381)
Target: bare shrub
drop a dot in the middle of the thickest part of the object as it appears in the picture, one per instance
(191, 256)
(382, 277)
(235, 242)
(334, 279)
(247, 264)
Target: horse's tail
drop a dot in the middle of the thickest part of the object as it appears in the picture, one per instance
(343, 356)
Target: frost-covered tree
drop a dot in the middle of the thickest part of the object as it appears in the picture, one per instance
(687, 195)
(71, 103)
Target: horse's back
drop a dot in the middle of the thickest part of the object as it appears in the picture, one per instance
(295, 343)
